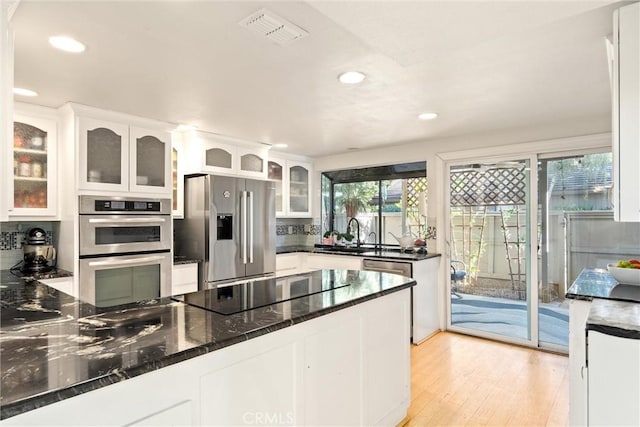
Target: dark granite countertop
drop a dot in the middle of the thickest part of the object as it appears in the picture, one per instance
(366, 252)
(16, 276)
(599, 283)
(54, 346)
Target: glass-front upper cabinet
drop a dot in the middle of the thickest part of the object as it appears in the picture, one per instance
(150, 165)
(34, 167)
(177, 181)
(104, 155)
(118, 157)
(276, 174)
(299, 175)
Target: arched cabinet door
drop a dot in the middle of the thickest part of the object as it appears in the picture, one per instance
(104, 155)
(150, 161)
(122, 158)
(276, 173)
(34, 167)
(299, 180)
(229, 156)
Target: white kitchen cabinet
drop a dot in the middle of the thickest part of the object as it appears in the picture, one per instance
(184, 278)
(578, 402)
(223, 155)
(316, 261)
(292, 263)
(34, 173)
(626, 112)
(614, 380)
(256, 387)
(116, 156)
(177, 179)
(63, 284)
(293, 187)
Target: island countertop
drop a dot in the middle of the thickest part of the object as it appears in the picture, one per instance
(599, 283)
(54, 346)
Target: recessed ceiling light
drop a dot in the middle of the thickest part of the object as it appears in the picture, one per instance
(351, 77)
(67, 44)
(24, 92)
(280, 145)
(428, 116)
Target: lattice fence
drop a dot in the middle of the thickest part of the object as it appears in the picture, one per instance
(491, 187)
(414, 187)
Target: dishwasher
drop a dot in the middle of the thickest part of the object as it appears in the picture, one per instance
(395, 267)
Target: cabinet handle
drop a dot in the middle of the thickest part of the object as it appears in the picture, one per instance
(582, 371)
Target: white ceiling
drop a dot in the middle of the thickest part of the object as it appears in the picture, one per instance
(481, 65)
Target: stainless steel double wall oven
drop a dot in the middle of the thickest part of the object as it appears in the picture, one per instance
(125, 249)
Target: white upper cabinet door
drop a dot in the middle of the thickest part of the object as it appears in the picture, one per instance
(276, 173)
(252, 161)
(299, 179)
(177, 179)
(150, 164)
(626, 112)
(218, 157)
(34, 173)
(104, 155)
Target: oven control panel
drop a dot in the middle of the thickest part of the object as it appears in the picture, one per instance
(126, 205)
(92, 205)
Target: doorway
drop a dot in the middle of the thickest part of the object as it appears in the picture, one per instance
(490, 245)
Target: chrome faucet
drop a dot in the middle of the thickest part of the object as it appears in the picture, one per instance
(357, 230)
(375, 237)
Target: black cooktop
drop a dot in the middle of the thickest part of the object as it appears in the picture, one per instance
(241, 297)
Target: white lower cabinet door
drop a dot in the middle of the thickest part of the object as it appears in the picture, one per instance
(386, 384)
(260, 390)
(178, 415)
(578, 313)
(332, 376)
(614, 380)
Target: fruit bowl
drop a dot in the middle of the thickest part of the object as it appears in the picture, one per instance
(626, 276)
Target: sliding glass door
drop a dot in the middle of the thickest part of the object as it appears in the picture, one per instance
(491, 248)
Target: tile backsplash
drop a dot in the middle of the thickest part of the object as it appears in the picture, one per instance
(12, 235)
(297, 231)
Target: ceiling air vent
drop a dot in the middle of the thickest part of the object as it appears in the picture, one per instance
(273, 27)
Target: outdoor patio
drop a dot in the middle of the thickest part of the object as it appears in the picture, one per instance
(509, 317)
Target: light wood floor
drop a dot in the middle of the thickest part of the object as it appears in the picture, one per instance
(459, 380)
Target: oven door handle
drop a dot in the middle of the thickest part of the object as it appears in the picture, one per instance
(146, 220)
(142, 260)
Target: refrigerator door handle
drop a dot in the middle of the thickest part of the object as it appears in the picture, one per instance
(244, 226)
(250, 195)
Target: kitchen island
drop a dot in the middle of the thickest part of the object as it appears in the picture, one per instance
(337, 356)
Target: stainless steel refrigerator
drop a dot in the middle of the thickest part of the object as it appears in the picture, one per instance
(229, 224)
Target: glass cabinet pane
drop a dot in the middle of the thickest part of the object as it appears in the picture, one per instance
(275, 174)
(29, 166)
(104, 154)
(149, 156)
(251, 163)
(298, 189)
(174, 179)
(218, 157)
